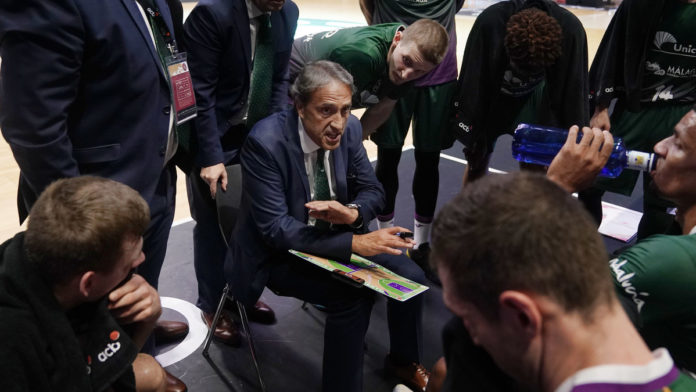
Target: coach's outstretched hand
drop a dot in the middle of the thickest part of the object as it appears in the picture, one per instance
(381, 241)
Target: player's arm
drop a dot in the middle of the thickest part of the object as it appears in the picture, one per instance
(376, 115)
(42, 48)
(476, 91)
(367, 7)
(600, 118)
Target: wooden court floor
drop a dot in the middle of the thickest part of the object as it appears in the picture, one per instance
(594, 21)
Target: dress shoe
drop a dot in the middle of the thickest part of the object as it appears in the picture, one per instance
(173, 384)
(225, 330)
(167, 331)
(414, 375)
(260, 312)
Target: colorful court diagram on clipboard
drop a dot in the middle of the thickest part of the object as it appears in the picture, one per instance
(364, 272)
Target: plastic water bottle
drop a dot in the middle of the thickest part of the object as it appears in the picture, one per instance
(539, 145)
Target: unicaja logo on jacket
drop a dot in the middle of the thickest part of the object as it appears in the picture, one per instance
(666, 42)
(111, 348)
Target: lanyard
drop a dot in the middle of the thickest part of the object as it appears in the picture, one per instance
(159, 22)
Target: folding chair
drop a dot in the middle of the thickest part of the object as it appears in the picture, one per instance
(228, 204)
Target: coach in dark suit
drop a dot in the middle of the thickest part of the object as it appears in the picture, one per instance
(231, 49)
(308, 185)
(83, 91)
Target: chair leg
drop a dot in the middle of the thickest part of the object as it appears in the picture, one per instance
(218, 313)
(250, 339)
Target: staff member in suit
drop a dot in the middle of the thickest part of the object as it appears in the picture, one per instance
(84, 91)
(239, 65)
(308, 185)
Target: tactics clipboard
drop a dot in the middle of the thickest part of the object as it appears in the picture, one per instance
(362, 272)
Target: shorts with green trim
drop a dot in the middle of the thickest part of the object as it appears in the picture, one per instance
(430, 109)
(512, 112)
(641, 131)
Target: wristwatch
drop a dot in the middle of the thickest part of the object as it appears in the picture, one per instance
(358, 223)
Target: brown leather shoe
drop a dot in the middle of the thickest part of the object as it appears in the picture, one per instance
(260, 312)
(166, 331)
(225, 330)
(414, 375)
(173, 384)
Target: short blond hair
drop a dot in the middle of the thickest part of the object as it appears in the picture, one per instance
(80, 224)
(430, 38)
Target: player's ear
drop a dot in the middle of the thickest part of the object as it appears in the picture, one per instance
(397, 37)
(520, 311)
(87, 282)
(300, 107)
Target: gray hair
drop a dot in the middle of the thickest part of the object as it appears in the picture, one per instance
(317, 74)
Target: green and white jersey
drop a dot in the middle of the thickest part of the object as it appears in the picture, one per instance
(658, 275)
(409, 11)
(362, 51)
(670, 62)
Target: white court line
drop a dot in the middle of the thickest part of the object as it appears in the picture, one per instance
(464, 162)
(197, 331)
(182, 221)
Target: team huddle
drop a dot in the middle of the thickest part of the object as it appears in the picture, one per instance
(100, 102)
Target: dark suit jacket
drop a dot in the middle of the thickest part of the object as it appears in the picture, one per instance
(273, 217)
(219, 43)
(82, 92)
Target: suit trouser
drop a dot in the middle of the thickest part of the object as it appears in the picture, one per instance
(157, 233)
(209, 246)
(348, 316)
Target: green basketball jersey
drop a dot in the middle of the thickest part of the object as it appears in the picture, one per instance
(658, 275)
(670, 63)
(362, 51)
(409, 11)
